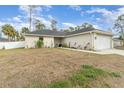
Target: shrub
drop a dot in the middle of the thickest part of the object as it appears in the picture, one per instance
(39, 43)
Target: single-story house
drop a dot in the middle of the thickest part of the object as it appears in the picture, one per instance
(82, 39)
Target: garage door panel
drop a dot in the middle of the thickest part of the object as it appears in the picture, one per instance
(102, 42)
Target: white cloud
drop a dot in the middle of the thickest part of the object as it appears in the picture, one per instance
(76, 7)
(46, 22)
(98, 19)
(67, 25)
(97, 26)
(82, 13)
(47, 7)
(50, 17)
(17, 19)
(24, 8)
(108, 17)
(36, 8)
(99, 10)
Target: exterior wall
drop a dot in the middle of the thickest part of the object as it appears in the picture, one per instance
(83, 41)
(102, 42)
(30, 41)
(48, 42)
(11, 45)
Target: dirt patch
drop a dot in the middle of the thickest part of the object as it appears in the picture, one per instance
(28, 67)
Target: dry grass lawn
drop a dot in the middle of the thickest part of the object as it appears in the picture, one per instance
(40, 67)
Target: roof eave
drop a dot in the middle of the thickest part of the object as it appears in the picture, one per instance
(104, 33)
(43, 35)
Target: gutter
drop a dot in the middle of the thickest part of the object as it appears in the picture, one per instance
(42, 35)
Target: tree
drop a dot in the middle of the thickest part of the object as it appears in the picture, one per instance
(24, 30)
(31, 11)
(39, 25)
(53, 24)
(71, 28)
(9, 30)
(17, 36)
(66, 30)
(22, 37)
(87, 26)
(13, 35)
(119, 26)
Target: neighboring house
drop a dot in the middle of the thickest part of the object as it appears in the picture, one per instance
(82, 39)
(117, 42)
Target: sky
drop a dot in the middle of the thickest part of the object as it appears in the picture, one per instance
(101, 17)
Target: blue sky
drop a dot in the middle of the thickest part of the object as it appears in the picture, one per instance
(102, 17)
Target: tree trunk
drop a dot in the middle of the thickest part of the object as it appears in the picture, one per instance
(30, 18)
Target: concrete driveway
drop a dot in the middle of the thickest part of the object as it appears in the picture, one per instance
(112, 51)
(102, 52)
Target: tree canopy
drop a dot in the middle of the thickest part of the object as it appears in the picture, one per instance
(87, 26)
(53, 24)
(39, 25)
(119, 26)
(24, 30)
(82, 27)
(9, 30)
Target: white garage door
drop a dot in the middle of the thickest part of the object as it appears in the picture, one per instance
(102, 42)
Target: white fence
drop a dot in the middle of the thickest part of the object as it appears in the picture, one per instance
(10, 45)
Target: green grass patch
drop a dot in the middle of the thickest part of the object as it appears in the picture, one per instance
(115, 74)
(83, 77)
(60, 84)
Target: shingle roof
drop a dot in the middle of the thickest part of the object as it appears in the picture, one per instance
(78, 31)
(61, 33)
(48, 32)
(56, 33)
